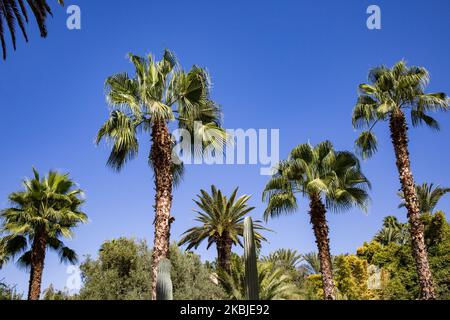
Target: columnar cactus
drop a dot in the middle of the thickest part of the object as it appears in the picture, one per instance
(251, 269)
(163, 281)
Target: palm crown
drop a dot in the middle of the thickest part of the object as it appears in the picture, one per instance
(393, 91)
(220, 216)
(392, 231)
(159, 91)
(49, 206)
(285, 258)
(316, 171)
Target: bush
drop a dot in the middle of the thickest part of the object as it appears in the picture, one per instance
(122, 271)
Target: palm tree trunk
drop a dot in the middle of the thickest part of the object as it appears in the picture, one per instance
(320, 227)
(37, 266)
(399, 138)
(161, 156)
(224, 245)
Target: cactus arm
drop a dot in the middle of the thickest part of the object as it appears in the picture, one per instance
(251, 269)
(163, 281)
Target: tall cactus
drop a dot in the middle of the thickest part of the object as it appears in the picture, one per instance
(163, 281)
(251, 269)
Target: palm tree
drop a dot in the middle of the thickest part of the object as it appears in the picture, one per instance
(14, 11)
(311, 264)
(160, 92)
(388, 235)
(47, 209)
(390, 93)
(222, 223)
(428, 196)
(330, 180)
(392, 231)
(284, 258)
(274, 282)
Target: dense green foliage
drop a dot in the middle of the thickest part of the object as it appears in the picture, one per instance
(387, 270)
(377, 271)
(53, 294)
(396, 259)
(351, 277)
(8, 292)
(122, 271)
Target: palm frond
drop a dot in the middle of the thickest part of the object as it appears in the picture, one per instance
(121, 130)
(366, 144)
(15, 11)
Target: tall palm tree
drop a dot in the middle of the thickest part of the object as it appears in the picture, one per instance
(222, 224)
(159, 93)
(428, 196)
(330, 180)
(390, 93)
(15, 11)
(47, 209)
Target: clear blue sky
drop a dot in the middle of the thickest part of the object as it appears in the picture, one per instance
(292, 65)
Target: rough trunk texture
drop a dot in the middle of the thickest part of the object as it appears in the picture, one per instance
(37, 266)
(320, 227)
(161, 156)
(224, 245)
(399, 138)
